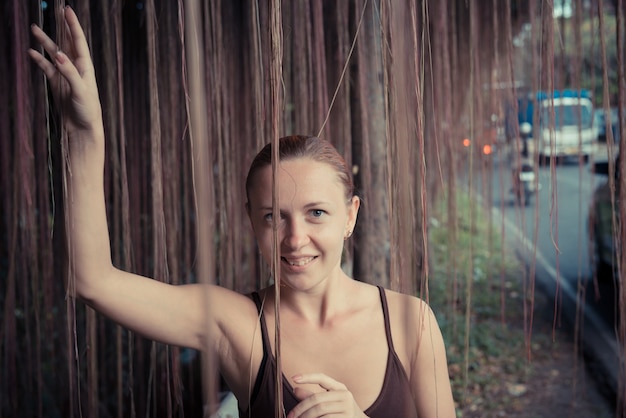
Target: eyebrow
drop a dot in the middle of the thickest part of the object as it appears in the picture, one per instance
(307, 206)
(312, 204)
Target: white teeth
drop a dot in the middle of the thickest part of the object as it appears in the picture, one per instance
(300, 262)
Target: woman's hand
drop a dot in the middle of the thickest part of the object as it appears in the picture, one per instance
(336, 401)
(71, 76)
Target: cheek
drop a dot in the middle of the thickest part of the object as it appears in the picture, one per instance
(333, 238)
(264, 240)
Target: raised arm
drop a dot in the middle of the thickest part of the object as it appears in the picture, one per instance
(171, 314)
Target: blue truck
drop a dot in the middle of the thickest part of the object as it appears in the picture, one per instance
(562, 123)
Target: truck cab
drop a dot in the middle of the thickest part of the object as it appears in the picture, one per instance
(562, 125)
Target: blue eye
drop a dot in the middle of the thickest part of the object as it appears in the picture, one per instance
(317, 213)
(270, 218)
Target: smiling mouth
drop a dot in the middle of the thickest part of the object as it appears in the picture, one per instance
(299, 262)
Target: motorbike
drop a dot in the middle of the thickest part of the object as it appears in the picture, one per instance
(524, 171)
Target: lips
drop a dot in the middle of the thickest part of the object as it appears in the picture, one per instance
(298, 262)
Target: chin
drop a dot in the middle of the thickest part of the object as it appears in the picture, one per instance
(301, 284)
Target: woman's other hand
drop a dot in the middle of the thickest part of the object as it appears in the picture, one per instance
(336, 400)
(71, 77)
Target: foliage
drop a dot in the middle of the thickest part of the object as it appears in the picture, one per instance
(496, 368)
(577, 55)
(474, 351)
(590, 54)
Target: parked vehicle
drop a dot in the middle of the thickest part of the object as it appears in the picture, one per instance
(524, 181)
(599, 121)
(563, 123)
(603, 218)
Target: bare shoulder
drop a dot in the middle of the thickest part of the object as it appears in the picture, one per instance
(227, 317)
(234, 312)
(234, 334)
(408, 307)
(413, 324)
(233, 319)
(419, 345)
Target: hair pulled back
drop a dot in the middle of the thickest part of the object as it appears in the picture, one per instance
(300, 146)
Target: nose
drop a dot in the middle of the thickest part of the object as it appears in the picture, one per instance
(296, 234)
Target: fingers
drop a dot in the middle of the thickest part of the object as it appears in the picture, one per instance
(46, 66)
(62, 63)
(335, 400)
(71, 70)
(301, 393)
(79, 42)
(322, 404)
(48, 44)
(321, 379)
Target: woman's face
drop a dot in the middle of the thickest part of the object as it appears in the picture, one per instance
(315, 217)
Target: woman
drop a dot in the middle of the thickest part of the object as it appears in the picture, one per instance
(346, 346)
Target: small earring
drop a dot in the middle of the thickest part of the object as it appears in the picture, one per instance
(348, 234)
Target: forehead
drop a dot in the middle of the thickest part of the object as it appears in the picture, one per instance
(298, 178)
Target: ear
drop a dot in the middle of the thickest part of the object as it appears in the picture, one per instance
(353, 211)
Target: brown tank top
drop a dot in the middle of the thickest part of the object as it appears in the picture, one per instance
(394, 400)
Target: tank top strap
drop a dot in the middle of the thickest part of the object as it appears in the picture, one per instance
(266, 339)
(395, 398)
(383, 300)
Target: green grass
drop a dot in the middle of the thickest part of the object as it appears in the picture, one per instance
(475, 289)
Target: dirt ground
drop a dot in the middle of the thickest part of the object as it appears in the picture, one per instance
(560, 386)
(558, 382)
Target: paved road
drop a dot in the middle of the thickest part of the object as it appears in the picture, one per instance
(551, 235)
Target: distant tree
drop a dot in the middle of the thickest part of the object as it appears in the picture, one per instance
(577, 54)
(590, 55)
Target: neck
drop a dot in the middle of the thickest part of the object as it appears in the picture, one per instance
(320, 304)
